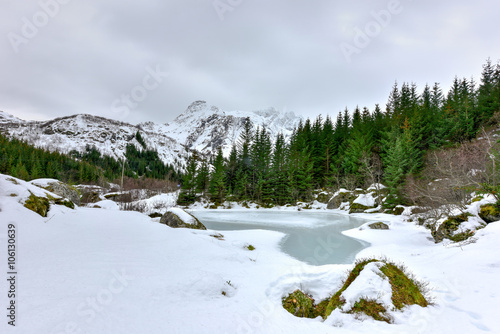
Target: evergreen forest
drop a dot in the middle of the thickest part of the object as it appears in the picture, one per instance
(353, 149)
(24, 161)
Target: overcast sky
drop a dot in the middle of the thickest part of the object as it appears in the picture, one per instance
(148, 60)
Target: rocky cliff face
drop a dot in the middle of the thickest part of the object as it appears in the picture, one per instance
(200, 127)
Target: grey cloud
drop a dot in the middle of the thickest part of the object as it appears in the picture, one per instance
(282, 54)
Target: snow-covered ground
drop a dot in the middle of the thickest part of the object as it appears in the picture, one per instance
(107, 271)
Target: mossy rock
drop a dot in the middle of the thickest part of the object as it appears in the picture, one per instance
(62, 189)
(300, 305)
(65, 202)
(90, 197)
(336, 301)
(40, 205)
(379, 226)
(405, 290)
(372, 309)
(358, 208)
(342, 197)
(172, 220)
(490, 213)
(398, 211)
(323, 197)
(462, 236)
(155, 215)
(447, 228)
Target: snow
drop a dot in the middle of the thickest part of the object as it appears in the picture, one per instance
(371, 284)
(106, 271)
(341, 191)
(365, 199)
(44, 182)
(183, 215)
(201, 127)
(158, 203)
(376, 186)
(105, 204)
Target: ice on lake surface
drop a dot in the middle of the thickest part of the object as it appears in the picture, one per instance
(311, 237)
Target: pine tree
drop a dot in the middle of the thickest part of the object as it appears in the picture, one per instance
(357, 156)
(243, 184)
(487, 104)
(279, 172)
(203, 177)
(21, 171)
(217, 179)
(188, 191)
(231, 171)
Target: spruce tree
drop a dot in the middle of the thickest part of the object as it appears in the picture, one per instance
(217, 179)
(280, 180)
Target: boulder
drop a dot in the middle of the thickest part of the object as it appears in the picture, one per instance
(379, 226)
(358, 208)
(490, 213)
(59, 188)
(323, 197)
(446, 229)
(37, 204)
(339, 198)
(176, 217)
(91, 197)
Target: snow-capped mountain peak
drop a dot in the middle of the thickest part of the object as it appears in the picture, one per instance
(201, 127)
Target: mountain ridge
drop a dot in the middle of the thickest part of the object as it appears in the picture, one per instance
(201, 127)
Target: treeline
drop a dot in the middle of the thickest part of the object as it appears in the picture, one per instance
(354, 150)
(24, 161)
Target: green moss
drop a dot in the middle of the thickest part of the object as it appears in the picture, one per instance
(477, 199)
(371, 308)
(250, 247)
(357, 208)
(462, 236)
(155, 215)
(300, 305)
(60, 201)
(452, 223)
(66, 203)
(321, 307)
(405, 290)
(490, 212)
(335, 301)
(37, 204)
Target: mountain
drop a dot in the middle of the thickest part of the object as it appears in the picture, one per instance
(200, 127)
(204, 128)
(75, 132)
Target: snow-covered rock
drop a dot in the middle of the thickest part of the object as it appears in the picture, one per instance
(59, 188)
(177, 217)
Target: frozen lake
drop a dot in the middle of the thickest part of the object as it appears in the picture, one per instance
(311, 237)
